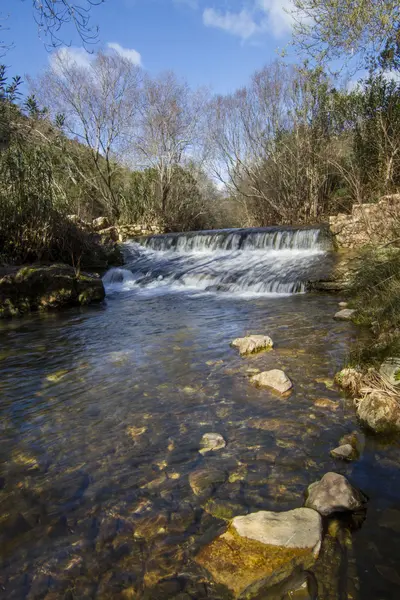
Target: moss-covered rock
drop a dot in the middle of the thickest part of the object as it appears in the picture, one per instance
(44, 287)
(262, 549)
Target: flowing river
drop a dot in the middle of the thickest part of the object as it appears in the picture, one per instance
(103, 410)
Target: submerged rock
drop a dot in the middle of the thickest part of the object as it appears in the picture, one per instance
(275, 379)
(262, 549)
(333, 493)
(211, 441)
(390, 370)
(380, 412)
(204, 481)
(344, 452)
(252, 344)
(46, 287)
(346, 314)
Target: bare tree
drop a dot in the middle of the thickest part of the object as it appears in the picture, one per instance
(170, 121)
(98, 105)
(269, 140)
(52, 15)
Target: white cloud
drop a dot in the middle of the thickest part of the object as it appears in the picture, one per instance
(241, 24)
(71, 56)
(129, 53)
(264, 16)
(278, 15)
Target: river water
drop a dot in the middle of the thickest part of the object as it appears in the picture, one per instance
(103, 410)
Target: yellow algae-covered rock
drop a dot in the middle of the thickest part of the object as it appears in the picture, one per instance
(262, 549)
(252, 343)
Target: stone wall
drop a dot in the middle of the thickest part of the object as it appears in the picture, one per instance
(367, 223)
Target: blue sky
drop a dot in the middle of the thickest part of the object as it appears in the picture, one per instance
(217, 43)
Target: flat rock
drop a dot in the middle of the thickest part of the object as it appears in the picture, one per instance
(275, 379)
(343, 304)
(333, 493)
(252, 344)
(380, 412)
(262, 549)
(211, 441)
(346, 314)
(344, 452)
(390, 370)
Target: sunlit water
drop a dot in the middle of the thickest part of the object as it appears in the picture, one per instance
(103, 410)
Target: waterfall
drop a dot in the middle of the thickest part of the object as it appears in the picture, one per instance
(246, 262)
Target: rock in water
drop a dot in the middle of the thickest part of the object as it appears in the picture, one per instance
(262, 549)
(275, 379)
(345, 315)
(390, 370)
(252, 344)
(203, 481)
(211, 441)
(380, 412)
(344, 452)
(333, 493)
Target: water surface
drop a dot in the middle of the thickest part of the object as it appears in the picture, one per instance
(103, 410)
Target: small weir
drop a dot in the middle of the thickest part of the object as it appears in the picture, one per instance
(248, 262)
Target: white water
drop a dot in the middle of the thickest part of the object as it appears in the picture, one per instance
(236, 262)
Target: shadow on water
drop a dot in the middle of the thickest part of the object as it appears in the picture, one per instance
(102, 413)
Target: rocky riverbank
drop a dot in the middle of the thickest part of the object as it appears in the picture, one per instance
(46, 287)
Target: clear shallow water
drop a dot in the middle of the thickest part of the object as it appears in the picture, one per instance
(102, 412)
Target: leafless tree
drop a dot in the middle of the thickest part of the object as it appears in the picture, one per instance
(52, 15)
(171, 115)
(98, 105)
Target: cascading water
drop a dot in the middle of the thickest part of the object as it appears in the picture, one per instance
(236, 261)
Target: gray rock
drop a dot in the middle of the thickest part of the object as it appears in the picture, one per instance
(262, 549)
(380, 412)
(333, 493)
(344, 452)
(390, 370)
(252, 343)
(275, 379)
(346, 314)
(211, 441)
(343, 304)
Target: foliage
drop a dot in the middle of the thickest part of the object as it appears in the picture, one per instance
(328, 29)
(376, 296)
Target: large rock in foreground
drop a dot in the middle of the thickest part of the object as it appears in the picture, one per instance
(332, 494)
(262, 549)
(274, 379)
(252, 344)
(46, 287)
(380, 411)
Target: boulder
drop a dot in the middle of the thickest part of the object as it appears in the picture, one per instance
(344, 452)
(101, 223)
(203, 481)
(262, 549)
(211, 441)
(390, 370)
(332, 494)
(252, 344)
(343, 304)
(346, 314)
(46, 287)
(275, 379)
(380, 412)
